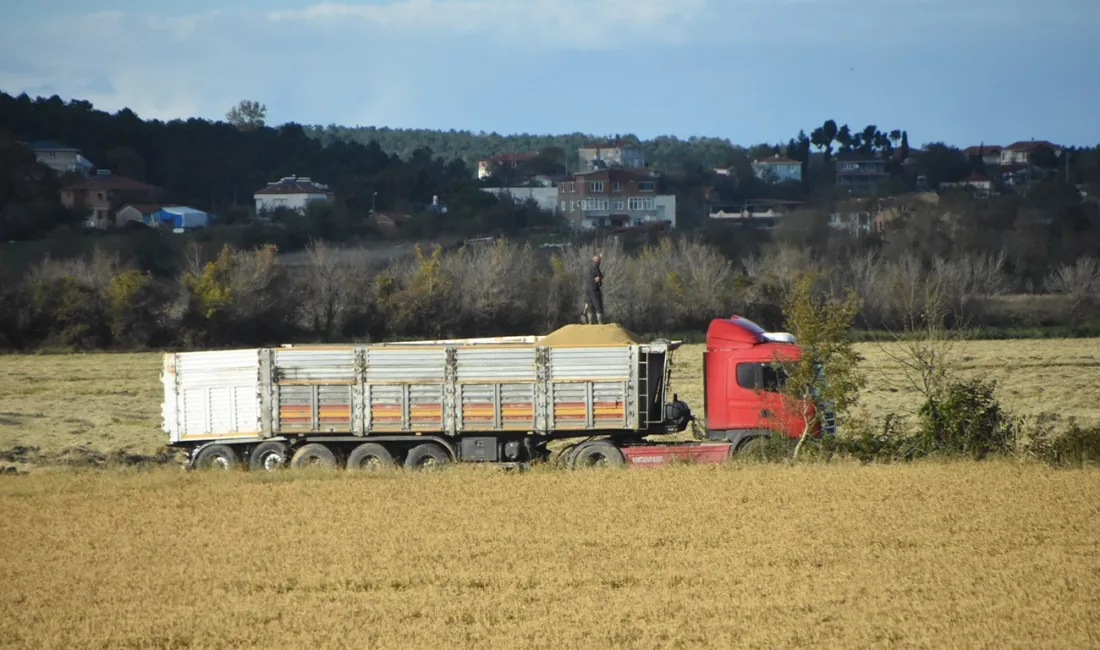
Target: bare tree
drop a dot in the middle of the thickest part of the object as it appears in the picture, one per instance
(923, 346)
(331, 288)
(1079, 282)
(494, 286)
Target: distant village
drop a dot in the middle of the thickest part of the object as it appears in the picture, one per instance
(613, 188)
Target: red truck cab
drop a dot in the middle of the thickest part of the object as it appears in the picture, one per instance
(742, 383)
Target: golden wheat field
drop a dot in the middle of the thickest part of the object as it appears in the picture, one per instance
(993, 555)
(934, 554)
(63, 404)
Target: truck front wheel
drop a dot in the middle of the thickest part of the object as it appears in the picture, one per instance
(599, 454)
(753, 448)
(426, 456)
(314, 455)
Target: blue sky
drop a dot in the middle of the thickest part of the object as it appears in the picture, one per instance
(960, 71)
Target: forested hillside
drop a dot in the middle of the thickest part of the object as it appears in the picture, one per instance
(1024, 257)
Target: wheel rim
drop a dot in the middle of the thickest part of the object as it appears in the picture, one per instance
(597, 459)
(271, 461)
(219, 462)
(370, 463)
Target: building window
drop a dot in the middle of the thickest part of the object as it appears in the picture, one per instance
(616, 187)
(595, 204)
(563, 206)
(645, 186)
(642, 203)
(619, 204)
(572, 206)
(595, 186)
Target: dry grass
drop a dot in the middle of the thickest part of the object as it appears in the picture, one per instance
(107, 402)
(926, 555)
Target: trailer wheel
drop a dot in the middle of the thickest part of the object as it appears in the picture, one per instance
(221, 457)
(370, 456)
(268, 457)
(426, 456)
(314, 455)
(598, 454)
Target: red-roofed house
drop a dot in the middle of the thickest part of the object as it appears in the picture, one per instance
(1018, 153)
(777, 169)
(389, 222)
(291, 193)
(486, 167)
(989, 153)
(977, 182)
(101, 194)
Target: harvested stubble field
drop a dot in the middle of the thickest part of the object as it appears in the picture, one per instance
(928, 555)
(998, 554)
(75, 407)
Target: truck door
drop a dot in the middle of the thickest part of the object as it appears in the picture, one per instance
(755, 401)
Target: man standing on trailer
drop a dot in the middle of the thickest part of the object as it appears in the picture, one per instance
(593, 293)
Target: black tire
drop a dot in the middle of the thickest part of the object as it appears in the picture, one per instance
(314, 455)
(598, 454)
(753, 449)
(268, 456)
(370, 456)
(426, 456)
(221, 457)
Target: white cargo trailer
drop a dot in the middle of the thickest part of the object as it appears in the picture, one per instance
(494, 400)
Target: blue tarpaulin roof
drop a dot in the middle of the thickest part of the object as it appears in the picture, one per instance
(183, 217)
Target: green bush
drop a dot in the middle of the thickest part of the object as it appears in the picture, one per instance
(70, 313)
(135, 302)
(965, 417)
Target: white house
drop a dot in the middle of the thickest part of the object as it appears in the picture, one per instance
(291, 193)
(60, 158)
(1019, 153)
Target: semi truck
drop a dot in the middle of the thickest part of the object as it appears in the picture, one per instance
(501, 400)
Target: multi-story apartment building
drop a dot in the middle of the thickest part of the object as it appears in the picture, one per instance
(613, 198)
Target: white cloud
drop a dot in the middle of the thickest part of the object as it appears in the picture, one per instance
(573, 24)
(423, 62)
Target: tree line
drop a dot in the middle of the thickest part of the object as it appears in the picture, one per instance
(251, 297)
